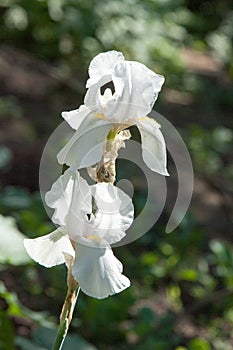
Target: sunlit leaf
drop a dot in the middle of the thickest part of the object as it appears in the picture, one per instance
(188, 275)
(199, 344)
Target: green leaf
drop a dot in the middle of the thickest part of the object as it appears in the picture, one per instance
(188, 274)
(12, 250)
(199, 344)
(6, 332)
(14, 308)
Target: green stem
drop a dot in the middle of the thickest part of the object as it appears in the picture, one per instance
(66, 316)
(112, 134)
(61, 335)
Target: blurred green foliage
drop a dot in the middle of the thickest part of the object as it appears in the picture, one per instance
(210, 149)
(71, 32)
(182, 283)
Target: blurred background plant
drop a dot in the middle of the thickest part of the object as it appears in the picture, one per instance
(182, 283)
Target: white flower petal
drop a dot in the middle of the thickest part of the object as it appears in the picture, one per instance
(107, 96)
(98, 272)
(153, 145)
(103, 65)
(85, 148)
(93, 96)
(150, 82)
(80, 206)
(75, 118)
(49, 250)
(136, 89)
(119, 106)
(61, 195)
(114, 213)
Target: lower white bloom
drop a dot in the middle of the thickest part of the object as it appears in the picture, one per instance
(86, 232)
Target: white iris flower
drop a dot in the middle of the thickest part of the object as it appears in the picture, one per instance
(136, 89)
(90, 218)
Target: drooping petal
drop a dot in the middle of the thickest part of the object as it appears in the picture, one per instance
(75, 118)
(153, 145)
(103, 65)
(85, 148)
(61, 195)
(114, 213)
(49, 250)
(98, 272)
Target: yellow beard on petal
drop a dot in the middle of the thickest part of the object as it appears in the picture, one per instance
(100, 115)
(94, 238)
(146, 117)
(142, 118)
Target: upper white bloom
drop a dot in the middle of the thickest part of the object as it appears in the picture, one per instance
(136, 89)
(90, 219)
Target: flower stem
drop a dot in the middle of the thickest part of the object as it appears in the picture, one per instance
(106, 168)
(67, 311)
(61, 335)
